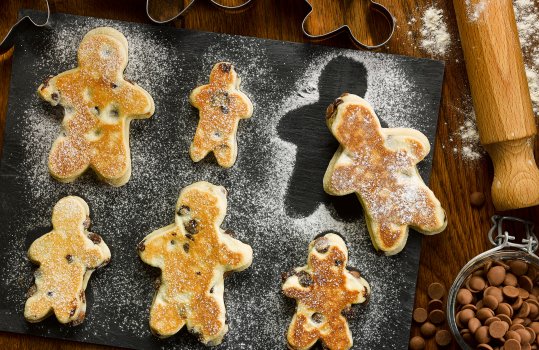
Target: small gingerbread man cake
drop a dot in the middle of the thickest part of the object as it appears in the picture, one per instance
(323, 289)
(99, 104)
(379, 165)
(193, 254)
(66, 256)
(221, 105)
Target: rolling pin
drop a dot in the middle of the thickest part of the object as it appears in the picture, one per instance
(501, 98)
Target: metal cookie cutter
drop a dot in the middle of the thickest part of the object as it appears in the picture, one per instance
(373, 6)
(19, 27)
(188, 6)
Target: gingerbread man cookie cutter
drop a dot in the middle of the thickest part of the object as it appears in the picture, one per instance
(324, 288)
(374, 6)
(22, 25)
(183, 11)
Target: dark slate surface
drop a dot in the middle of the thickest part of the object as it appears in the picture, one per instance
(276, 201)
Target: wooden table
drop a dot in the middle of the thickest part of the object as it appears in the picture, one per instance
(453, 179)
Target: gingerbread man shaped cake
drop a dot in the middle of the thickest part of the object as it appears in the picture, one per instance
(221, 105)
(379, 165)
(99, 104)
(193, 254)
(323, 289)
(66, 256)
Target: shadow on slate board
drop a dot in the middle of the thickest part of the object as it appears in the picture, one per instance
(276, 202)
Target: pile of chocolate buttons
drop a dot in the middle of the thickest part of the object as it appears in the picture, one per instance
(497, 306)
(431, 320)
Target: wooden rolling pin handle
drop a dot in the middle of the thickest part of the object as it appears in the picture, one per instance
(516, 177)
(501, 98)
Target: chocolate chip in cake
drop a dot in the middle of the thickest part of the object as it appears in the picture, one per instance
(224, 109)
(305, 279)
(191, 226)
(321, 245)
(186, 247)
(287, 275)
(69, 258)
(183, 210)
(317, 317)
(141, 246)
(230, 232)
(338, 262)
(94, 237)
(55, 97)
(225, 67)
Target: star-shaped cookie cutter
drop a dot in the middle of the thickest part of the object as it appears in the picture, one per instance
(190, 4)
(21, 25)
(374, 6)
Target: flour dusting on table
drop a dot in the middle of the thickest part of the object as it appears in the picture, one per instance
(120, 294)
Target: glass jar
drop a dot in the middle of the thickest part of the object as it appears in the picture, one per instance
(505, 248)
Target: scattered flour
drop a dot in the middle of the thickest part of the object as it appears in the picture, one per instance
(120, 294)
(475, 10)
(435, 38)
(527, 16)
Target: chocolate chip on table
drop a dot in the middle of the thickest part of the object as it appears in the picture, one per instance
(435, 305)
(427, 329)
(417, 343)
(437, 316)
(420, 315)
(443, 338)
(477, 199)
(436, 291)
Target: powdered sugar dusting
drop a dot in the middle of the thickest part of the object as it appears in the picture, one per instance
(119, 295)
(435, 38)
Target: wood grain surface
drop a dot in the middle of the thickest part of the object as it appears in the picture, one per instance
(453, 179)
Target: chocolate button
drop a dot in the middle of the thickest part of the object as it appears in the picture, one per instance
(510, 292)
(437, 316)
(477, 199)
(467, 315)
(518, 267)
(427, 329)
(496, 275)
(510, 280)
(436, 291)
(497, 329)
(484, 313)
(484, 347)
(443, 338)
(512, 344)
(526, 283)
(420, 315)
(464, 296)
(417, 343)
(512, 335)
(476, 284)
(495, 292)
(481, 336)
(435, 305)
(525, 336)
(474, 324)
(491, 302)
